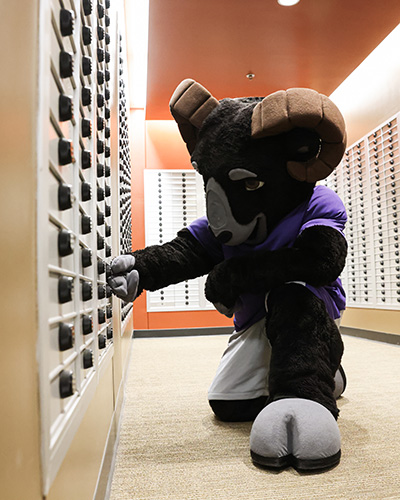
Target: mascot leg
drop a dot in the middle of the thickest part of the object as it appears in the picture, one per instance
(239, 390)
(298, 427)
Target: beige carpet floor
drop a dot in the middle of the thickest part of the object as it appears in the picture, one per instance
(172, 448)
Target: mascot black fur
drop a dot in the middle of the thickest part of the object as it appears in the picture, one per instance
(272, 245)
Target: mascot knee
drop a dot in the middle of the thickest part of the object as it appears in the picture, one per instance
(238, 410)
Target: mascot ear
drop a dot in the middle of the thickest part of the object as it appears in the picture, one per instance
(190, 105)
(303, 108)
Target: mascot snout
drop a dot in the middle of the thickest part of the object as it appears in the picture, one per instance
(224, 225)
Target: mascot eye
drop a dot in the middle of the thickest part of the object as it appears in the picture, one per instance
(253, 184)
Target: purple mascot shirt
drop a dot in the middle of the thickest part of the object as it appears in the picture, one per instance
(323, 208)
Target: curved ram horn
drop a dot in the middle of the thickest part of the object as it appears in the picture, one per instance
(304, 108)
(190, 105)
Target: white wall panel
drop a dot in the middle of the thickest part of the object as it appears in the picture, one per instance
(173, 199)
(368, 181)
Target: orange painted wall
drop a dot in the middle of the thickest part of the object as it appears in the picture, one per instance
(158, 145)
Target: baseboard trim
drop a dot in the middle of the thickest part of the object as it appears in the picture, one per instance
(182, 332)
(389, 338)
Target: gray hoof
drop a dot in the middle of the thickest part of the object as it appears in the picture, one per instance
(295, 432)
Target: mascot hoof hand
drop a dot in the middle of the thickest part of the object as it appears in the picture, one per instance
(124, 279)
(122, 264)
(125, 287)
(220, 290)
(295, 432)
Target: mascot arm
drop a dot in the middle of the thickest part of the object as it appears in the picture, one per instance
(317, 257)
(178, 260)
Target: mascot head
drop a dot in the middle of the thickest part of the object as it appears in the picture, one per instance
(259, 157)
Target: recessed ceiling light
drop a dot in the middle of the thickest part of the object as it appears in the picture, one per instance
(288, 3)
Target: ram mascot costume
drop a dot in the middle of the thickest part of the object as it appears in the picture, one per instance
(273, 248)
